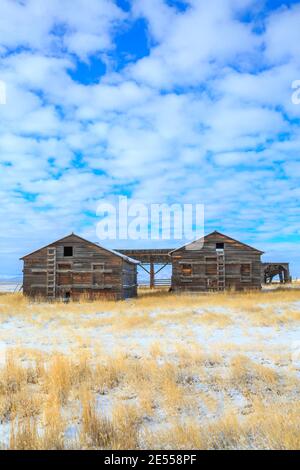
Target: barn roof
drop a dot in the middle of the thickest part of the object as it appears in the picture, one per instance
(222, 235)
(97, 245)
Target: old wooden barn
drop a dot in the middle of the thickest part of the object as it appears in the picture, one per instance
(214, 263)
(73, 266)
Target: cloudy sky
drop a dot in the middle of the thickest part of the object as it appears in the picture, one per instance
(160, 100)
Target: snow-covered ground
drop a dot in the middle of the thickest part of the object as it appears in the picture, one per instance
(224, 349)
(51, 327)
(53, 335)
(9, 286)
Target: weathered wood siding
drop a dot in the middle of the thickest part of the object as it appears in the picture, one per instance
(196, 269)
(129, 280)
(91, 271)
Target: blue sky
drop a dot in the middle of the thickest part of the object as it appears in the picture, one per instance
(166, 101)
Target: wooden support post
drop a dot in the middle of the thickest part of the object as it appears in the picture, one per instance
(286, 276)
(152, 274)
(281, 276)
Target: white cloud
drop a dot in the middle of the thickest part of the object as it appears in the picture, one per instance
(44, 26)
(282, 35)
(203, 118)
(192, 46)
(158, 15)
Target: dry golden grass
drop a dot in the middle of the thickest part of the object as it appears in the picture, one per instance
(108, 374)
(23, 435)
(166, 382)
(38, 412)
(98, 431)
(267, 427)
(256, 307)
(53, 424)
(248, 376)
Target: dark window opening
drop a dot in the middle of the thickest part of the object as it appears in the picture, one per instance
(219, 246)
(245, 272)
(68, 251)
(67, 297)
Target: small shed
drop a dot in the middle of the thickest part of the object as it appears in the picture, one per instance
(271, 270)
(214, 263)
(72, 267)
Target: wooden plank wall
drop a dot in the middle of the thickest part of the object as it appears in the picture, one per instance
(129, 280)
(91, 270)
(203, 275)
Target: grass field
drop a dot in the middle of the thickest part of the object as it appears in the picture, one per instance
(162, 371)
